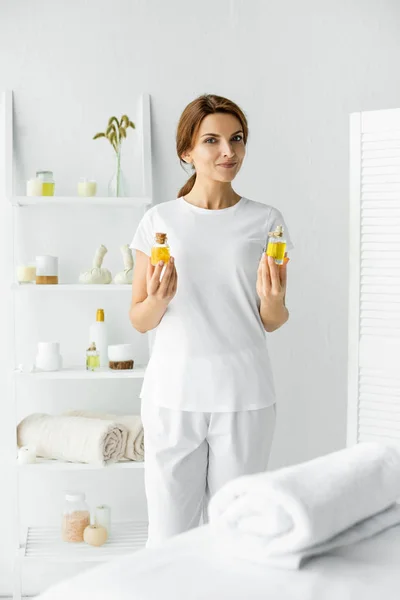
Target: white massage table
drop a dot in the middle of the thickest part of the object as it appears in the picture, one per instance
(189, 568)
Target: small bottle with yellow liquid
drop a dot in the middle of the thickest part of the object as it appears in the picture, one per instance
(92, 358)
(277, 245)
(48, 183)
(160, 250)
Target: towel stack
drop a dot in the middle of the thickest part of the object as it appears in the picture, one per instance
(84, 437)
(286, 516)
(134, 449)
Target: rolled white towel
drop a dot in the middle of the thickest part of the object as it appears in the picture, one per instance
(283, 516)
(135, 442)
(73, 439)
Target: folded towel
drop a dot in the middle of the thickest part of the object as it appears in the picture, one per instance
(284, 516)
(135, 442)
(73, 439)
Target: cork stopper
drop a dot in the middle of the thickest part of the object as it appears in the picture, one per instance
(278, 231)
(161, 238)
(100, 314)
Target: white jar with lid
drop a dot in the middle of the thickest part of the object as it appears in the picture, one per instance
(47, 270)
(48, 356)
(76, 517)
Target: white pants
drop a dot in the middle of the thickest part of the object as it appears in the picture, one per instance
(190, 455)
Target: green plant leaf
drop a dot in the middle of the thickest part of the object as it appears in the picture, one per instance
(111, 128)
(99, 135)
(125, 121)
(111, 119)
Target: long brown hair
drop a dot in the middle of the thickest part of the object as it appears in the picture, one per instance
(190, 121)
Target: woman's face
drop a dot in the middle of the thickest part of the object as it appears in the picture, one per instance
(219, 149)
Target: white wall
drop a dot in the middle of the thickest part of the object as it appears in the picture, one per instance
(298, 70)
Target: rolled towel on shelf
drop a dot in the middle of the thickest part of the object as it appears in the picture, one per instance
(135, 442)
(73, 439)
(283, 517)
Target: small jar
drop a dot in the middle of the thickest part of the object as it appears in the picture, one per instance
(160, 250)
(86, 187)
(47, 270)
(48, 356)
(76, 517)
(92, 358)
(48, 183)
(120, 356)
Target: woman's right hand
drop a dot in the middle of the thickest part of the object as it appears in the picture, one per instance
(162, 290)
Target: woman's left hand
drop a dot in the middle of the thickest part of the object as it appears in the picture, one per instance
(271, 282)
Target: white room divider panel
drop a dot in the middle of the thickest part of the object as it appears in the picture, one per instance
(374, 311)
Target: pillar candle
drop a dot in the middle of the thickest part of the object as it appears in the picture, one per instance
(34, 187)
(26, 273)
(26, 455)
(102, 517)
(86, 187)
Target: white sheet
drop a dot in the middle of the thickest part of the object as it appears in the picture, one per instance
(189, 568)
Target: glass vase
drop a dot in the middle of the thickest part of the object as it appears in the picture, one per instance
(117, 184)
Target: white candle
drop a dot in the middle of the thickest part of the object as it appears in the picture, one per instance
(26, 455)
(34, 187)
(26, 273)
(86, 187)
(102, 517)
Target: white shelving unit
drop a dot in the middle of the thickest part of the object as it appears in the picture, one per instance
(70, 287)
(81, 373)
(43, 543)
(76, 201)
(58, 465)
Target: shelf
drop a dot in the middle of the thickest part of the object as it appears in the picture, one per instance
(128, 202)
(44, 543)
(44, 464)
(81, 373)
(71, 287)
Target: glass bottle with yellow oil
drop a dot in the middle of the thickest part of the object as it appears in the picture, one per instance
(160, 250)
(48, 183)
(92, 358)
(277, 245)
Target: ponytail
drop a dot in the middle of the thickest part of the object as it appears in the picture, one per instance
(188, 186)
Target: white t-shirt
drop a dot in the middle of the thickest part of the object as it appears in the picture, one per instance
(210, 351)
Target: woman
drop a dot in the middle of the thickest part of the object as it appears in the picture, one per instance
(208, 397)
